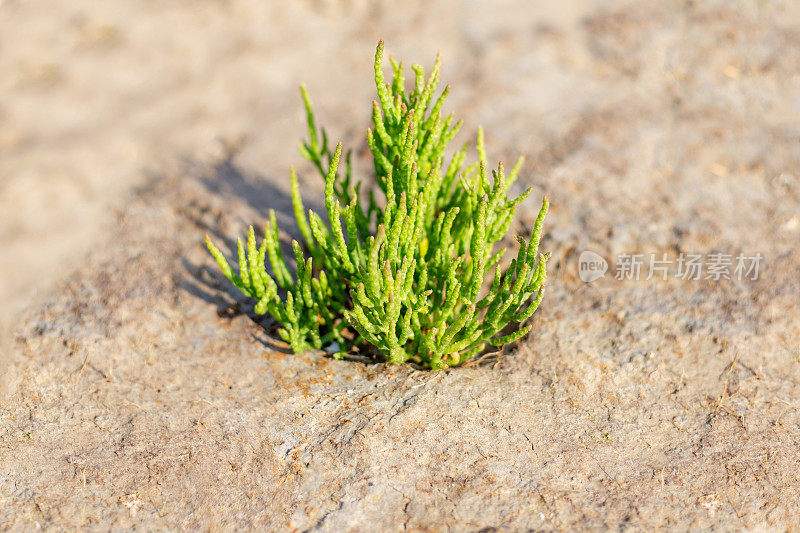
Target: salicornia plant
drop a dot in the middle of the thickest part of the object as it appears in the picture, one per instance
(404, 274)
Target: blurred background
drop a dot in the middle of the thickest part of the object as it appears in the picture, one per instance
(97, 98)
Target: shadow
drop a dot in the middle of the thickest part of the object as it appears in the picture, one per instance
(226, 179)
(226, 183)
(210, 286)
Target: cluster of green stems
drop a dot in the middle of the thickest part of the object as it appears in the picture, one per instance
(414, 275)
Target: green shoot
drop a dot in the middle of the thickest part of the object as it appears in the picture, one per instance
(405, 275)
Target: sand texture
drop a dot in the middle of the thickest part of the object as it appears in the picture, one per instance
(139, 390)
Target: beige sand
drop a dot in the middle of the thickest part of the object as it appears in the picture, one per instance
(136, 393)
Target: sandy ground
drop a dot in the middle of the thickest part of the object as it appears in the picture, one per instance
(136, 392)
(94, 97)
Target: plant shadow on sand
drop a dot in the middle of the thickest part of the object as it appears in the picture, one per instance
(226, 181)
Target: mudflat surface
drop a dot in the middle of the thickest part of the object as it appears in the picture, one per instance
(139, 391)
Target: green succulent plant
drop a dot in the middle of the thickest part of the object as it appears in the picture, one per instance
(404, 274)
